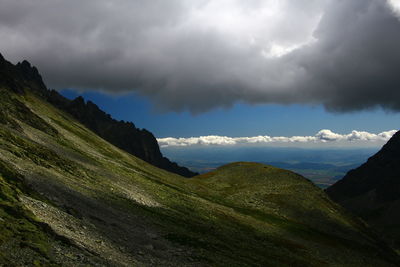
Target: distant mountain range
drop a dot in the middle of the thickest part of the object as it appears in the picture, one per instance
(69, 197)
(372, 190)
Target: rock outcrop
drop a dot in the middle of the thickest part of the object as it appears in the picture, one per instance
(372, 191)
(138, 142)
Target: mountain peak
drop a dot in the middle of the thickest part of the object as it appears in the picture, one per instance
(140, 143)
(31, 74)
(70, 197)
(372, 190)
(21, 76)
(25, 63)
(380, 173)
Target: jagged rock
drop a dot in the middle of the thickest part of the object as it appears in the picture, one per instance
(21, 76)
(138, 142)
(381, 173)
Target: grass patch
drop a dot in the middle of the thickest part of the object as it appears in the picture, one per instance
(11, 108)
(38, 154)
(19, 229)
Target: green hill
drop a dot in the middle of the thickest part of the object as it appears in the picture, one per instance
(138, 142)
(70, 198)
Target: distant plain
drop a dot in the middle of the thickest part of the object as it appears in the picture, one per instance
(322, 166)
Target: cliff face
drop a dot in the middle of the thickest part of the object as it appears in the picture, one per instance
(138, 142)
(380, 173)
(21, 76)
(372, 191)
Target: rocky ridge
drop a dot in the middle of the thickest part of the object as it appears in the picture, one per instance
(372, 190)
(70, 198)
(138, 142)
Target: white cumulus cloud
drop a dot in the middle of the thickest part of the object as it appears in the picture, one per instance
(323, 136)
(395, 5)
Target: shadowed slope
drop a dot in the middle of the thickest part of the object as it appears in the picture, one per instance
(373, 190)
(87, 202)
(138, 142)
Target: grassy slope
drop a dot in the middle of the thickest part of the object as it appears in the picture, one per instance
(118, 209)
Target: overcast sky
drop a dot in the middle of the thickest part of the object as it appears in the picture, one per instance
(197, 55)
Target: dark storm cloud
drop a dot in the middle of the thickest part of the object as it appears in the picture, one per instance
(200, 54)
(355, 63)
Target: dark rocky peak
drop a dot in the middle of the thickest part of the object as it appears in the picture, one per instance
(28, 70)
(380, 174)
(32, 76)
(95, 111)
(392, 147)
(5, 66)
(78, 102)
(92, 105)
(138, 142)
(372, 190)
(57, 99)
(125, 135)
(25, 66)
(21, 76)
(10, 77)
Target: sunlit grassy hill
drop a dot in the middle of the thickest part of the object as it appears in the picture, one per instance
(67, 197)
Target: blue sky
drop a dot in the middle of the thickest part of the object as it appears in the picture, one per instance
(190, 58)
(240, 120)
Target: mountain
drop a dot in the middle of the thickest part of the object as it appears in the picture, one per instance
(70, 198)
(138, 142)
(373, 190)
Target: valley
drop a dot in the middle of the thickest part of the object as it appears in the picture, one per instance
(70, 198)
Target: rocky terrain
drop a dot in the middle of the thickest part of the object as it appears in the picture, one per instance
(70, 198)
(138, 142)
(372, 190)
